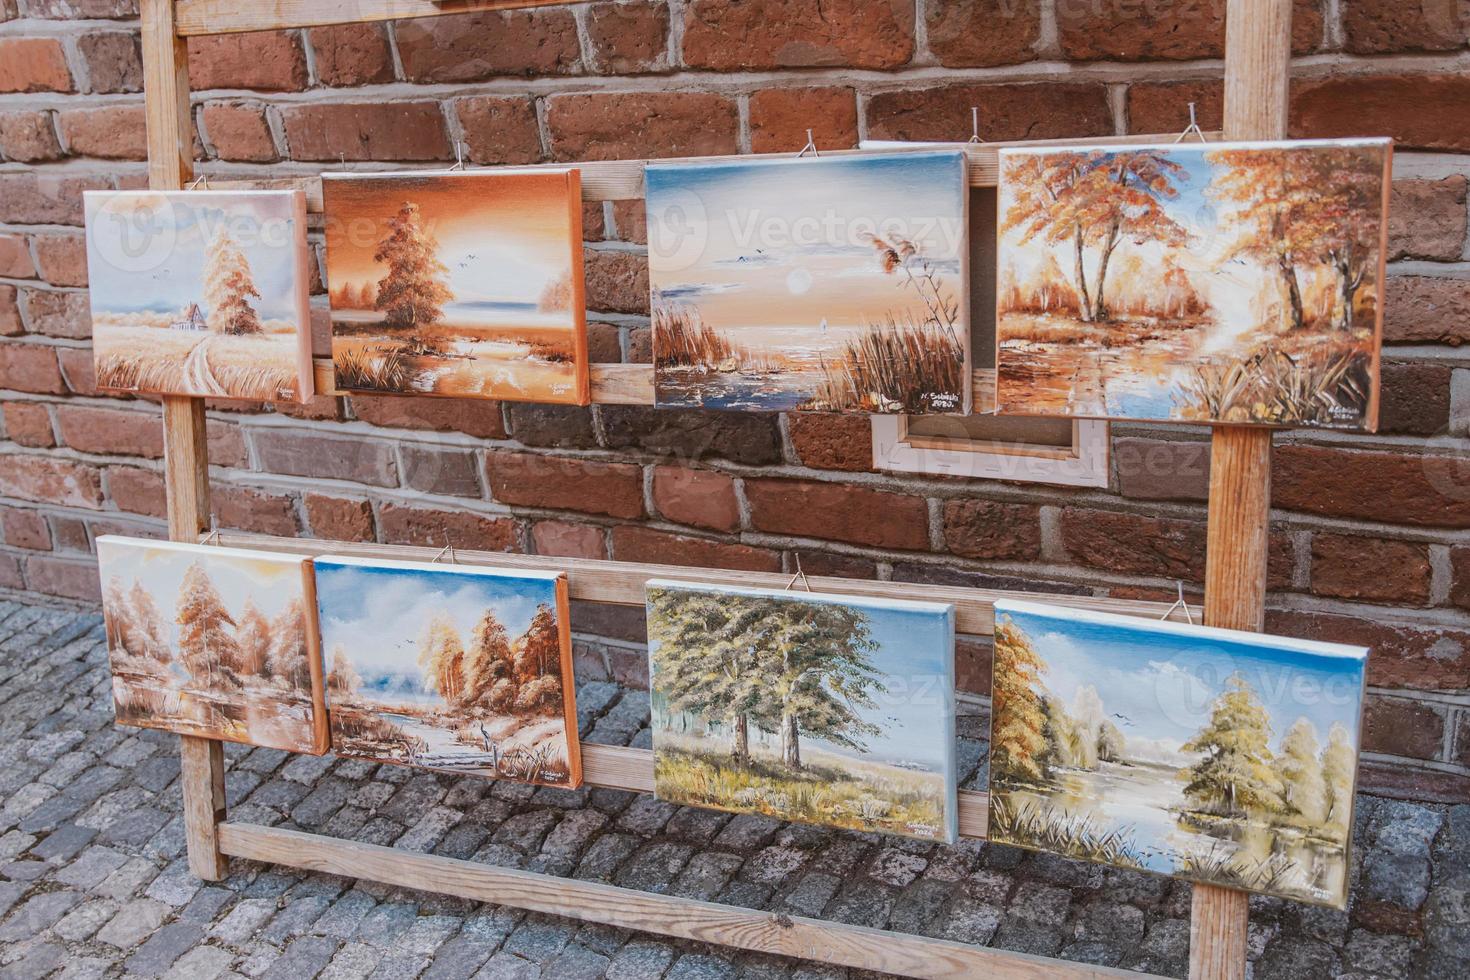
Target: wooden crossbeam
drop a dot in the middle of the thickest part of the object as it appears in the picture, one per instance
(196, 17)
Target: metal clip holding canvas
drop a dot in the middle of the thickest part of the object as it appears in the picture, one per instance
(446, 553)
(811, 147)
(458, 156)
(799, 575)
(1192, 128)
(213, 536)
(194, 184)
(975, 125)
(1179, 603)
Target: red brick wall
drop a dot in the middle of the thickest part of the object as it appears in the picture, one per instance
(1370, 539)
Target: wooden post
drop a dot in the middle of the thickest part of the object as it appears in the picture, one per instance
(1257, 69)
(185, 451)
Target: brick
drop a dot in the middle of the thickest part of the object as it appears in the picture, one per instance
(325, 457)
(753, 439)
(834, 512)
(973, 661)
(531, 480)
(630, 221)
(604, 341)
(62, 260)
(1426, 309)
(25, 529)
(628, 125)
(57, 314)
(63, 577)
(699, 498)
(616, 280)
(82, 9)
(1374, 105)
(367, 131)
(434, 469)
(30, 367)
(268, 61)
(29, 137)
(401, 524)
(628, 38)
(1386, 26)
(1415, 399)
(1396, 488)
(351, 54)
(834, 565)
(1128, 543)
(1396, 726)
(498, 130)
(11, 576)
(33, 64)
(339, 518)
(11, 324)
(114, 61)
(644, 544)
(1427, 658)
(15, 258)
(474, 417)
(239, 132)
(46, 479)
(552, 426)
(137, 491)
(79, 371)
(257, 511)
(70, 534)
(991, 531)
(1426, 219)
(476, 46)
(594, 229)
(45, 199)
(983, 33)
(1128, 31)
(566, 540)
(1163, 107)
(830, 441)
(29, 424)
(1459, 574)
(1007, 112)
(728, 35)
(110, 431)
(1153, 469)
(1353, 567)
(780, 118)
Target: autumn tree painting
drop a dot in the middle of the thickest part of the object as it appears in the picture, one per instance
(1194, 282)
(229, 286)
(803, 707)
(194, 648)
(1121, 741)
(450, 667)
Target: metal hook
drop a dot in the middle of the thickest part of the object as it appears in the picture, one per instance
(201, 179)
(975, 124)
(1193, 127)
(213, 536)
(1179, 603)
(458, 155)
(811, 147)
(445, 552)
(799, 575)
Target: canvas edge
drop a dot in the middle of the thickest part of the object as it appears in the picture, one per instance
(448, 567)
(571, 733)
(322, 722)
(577, 273)
(305, 375)
(877, 602)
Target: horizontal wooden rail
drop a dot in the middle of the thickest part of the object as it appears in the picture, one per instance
(196, 17)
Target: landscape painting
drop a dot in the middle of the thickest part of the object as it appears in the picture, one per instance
(451, 667)
(823, 709)
(213, 642)
(202, 293)
(832, 284)
(1195, 282)
(465, 285)
(1222, 757)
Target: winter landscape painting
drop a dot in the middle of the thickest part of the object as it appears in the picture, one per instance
(450, 667)
(200, 293)
(831, 283)
(467, 285)
(1218, 756)
(214, 642)
(1199, 282)
(824, 709)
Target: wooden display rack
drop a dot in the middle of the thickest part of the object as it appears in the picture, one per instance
(1258, 41)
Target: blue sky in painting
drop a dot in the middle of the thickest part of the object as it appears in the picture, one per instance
(1163, 677)
(916, 653)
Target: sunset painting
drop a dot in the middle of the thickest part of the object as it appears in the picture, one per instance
(200, 293)
(214, 642)
(452, 667)
(1218, 756)
(823, 709)
(1194, 282)
(465, 285)
(825, 283)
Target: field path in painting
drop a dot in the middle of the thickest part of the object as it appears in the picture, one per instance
(199, 376)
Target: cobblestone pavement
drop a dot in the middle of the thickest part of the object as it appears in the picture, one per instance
(93, 882)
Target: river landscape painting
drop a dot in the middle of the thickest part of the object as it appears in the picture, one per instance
(465, 285)
(1195, 282)
(822, 709)
(213, 642)
(202, 293)
(453, 667)
(1218, 756)
(825, 283)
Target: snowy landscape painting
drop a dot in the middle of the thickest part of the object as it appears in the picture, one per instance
(454, 667)
(201, 293)
(826, 283)
(1222, 757)
(823, 709)
(1196, 282)
(466, 285)
(214, 642)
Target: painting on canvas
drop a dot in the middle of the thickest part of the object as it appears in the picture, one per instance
(466, 285)
(1196, 282)
(214, 642)
(200, 293)
(827, 283)
(1218, 756)
(451, 667)
(823, 709)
